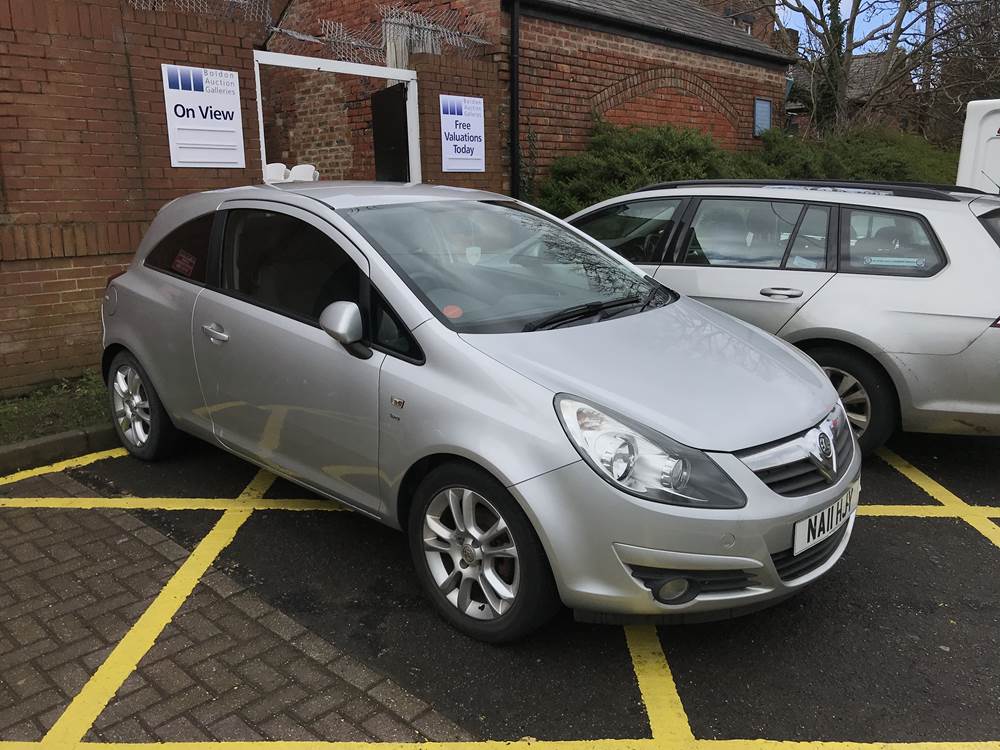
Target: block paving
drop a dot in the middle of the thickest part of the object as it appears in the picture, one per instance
(227, 667)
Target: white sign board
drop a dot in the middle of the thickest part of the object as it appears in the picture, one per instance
(463, 147)
(204, 119)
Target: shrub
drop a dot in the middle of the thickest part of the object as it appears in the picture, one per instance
(621, 159)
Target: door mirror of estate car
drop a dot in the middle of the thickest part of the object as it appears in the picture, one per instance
(342, 322)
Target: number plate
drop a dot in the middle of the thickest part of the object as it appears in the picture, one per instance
(813, 530)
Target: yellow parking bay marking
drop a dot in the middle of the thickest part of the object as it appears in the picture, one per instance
(667, 720)
(669, 726)
(71, 463)
(978, 517)
(88, 704)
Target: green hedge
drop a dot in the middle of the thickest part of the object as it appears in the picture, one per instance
(619, 160)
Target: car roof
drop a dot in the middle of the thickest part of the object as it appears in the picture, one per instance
(847, 195)
(341, 194)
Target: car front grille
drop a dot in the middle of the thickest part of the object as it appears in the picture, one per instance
(794, 467)
(791, 566)
(707, 581)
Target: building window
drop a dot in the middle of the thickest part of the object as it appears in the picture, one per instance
(761, 116)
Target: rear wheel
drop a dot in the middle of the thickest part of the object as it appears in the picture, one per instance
(478, 557)
(140, 420)
(866, 392)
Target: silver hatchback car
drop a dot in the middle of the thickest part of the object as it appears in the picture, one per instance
(545, 421)
(891, 287)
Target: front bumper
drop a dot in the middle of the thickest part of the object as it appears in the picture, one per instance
(595, 536)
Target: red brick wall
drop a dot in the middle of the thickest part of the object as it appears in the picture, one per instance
(85, 163)
(570, 75)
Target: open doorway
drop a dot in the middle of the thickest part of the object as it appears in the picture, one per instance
(350, 120)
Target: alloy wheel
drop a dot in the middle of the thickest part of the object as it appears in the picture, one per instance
(854, 397)
(470, 553)
(131, 405)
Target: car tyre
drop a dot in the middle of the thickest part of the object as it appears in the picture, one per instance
(866, 391)
(485, 570)
(143, 425)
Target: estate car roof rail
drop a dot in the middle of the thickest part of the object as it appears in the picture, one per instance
(899, 189)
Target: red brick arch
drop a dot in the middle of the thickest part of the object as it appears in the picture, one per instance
(648, 81)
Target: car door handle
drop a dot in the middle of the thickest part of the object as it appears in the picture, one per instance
(781, 291)
(214, 331)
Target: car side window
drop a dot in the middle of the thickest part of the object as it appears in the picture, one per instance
(184, 251)
(808, 251)
(285, 264)
(636, 230)
(732, 232)
(883, 242)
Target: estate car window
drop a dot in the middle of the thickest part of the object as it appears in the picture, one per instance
(636, 230)
(729, 232)
(285, 264)
(887, 243)
(184, 252)
(808, 252)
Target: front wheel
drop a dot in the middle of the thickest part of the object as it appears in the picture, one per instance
(866, 392)
(478, 557)
(142, 424)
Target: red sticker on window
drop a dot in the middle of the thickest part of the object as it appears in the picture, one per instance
(453, 311)
(184, 263)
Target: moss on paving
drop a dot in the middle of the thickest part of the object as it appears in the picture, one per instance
(66, 405)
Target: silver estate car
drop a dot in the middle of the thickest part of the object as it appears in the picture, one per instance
(543, 420)
(891, 287)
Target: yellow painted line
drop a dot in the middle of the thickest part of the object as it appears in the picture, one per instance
(977, 516)
(909, 511)
(667, 719)
(930, 511)
(70, 463)
(936, 490)
(841, 745)
(986, 527)
(169, 503)
(88, 704)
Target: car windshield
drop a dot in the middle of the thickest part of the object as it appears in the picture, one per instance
(495, 266)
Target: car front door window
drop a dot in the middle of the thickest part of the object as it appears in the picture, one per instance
(636, 230)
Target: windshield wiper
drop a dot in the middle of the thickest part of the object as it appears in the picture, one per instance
(579, 312)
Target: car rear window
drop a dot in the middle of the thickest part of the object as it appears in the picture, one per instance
(992, 223)
(184, 252)
(887, 243)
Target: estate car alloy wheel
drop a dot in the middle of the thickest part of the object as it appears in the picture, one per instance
(477, 555)
(865, 390)
(854, 397)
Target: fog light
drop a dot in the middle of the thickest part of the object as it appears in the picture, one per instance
(673, 590)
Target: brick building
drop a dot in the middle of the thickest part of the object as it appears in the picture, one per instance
(84, 153)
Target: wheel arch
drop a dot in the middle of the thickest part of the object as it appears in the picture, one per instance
(420, 469)
(107, 357)
(808, 344)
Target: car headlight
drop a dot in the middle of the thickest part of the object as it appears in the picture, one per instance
(643, 462)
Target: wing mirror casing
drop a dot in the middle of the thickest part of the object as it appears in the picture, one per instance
(342, 322)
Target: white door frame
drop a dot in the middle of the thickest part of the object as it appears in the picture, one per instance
(409, 77)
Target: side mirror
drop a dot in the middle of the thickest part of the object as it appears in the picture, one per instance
(342, 322)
